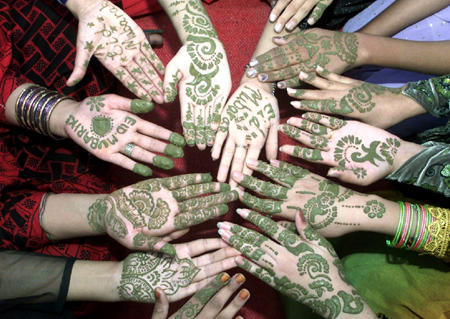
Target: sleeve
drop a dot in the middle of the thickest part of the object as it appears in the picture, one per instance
(429, 169)
(433, 94)
(33, 281)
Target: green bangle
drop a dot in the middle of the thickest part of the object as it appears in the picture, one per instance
(417, 233)
(425, 236)
(401, 221)
(405, 243)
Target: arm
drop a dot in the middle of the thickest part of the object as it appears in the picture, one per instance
(401, 14)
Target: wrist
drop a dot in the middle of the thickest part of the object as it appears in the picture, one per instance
(267, 87)
(364, 50)
(79, 7)
(405, 152)
(384, 219)
(94, 281)
(57, 122)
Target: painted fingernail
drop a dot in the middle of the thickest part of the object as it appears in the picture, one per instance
(163, 162)
(240, 278)
(244, 294)
(157, 294)
(272, 17)
(290, 25)
(219, 224)
(224, 226)
(206, 177)
(263, 77)
(238, 176)
(177, 139)
(251, 73)
(224, 277)
(303, 75)
(173, 151)
(311, 21)
(252, 162)
(224, 187)
(242, 212)
(142, 170)
(280, 149)
(141, 106)
(278, 27)
(319, 68)
(281, 85)
(224, 234)
(253, 62)
(291, 91)
(332, 173)
(275, 163)
(295, 104)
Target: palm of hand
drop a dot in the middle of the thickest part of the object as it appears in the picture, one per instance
(121, 46)
(144, 272)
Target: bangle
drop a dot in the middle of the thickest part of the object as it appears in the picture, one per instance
(62, 2)
(394, 242)
(425, 238)
(417, 230)
(405, 229)
(420, 229)
(439, 233)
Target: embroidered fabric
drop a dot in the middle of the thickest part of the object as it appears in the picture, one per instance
(439, 231)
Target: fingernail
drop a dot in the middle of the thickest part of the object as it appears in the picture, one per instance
(251, 73)
(224, 187)
(290, 25)
(275, 163)
(141, 106)
(142, 170)
(206, 177)
(242, 212)
(252, 162)
(253, 62)
(291, 91)
(304, 115)
(303, 75)
(244, 294)
(311, 21)
(239, 317)
(272, 17)
(177, 139)
(240, 278)
(319, 68)
(157, 294)
(173, 151)
(295, 104)
(278, 27)
(225, 277)
(332, 173)
(238, 176)
(280, 149)
(281, 85)
(280, 127)
(263, 77)
(224, 226)
(224, 234)
(168, 249)
(219, 225)
(163, 162)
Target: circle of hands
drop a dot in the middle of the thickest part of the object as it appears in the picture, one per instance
(291, 256)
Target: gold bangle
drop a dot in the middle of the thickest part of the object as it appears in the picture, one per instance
(49, 114)
(439, 233)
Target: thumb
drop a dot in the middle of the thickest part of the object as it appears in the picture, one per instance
(82, 58)
(300, 223)
(171, 79)
(353, 176)
(161, 308)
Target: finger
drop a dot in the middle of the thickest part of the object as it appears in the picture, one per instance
(238, 161)
(277, 9)
(209, 132)
(191, 289)
(215, 268)
(207, 201)
(127, 163)
(272, 141)
(310, 155)
(185, 180)
(193, 306)
(325, 106)
(225, 162)
(131, 80)
(318, 11)
(188, 219)
(275, 174)
(309, 234)
(290, 169)
(309, 126)
(216, 256)
(311, 140)
(323, 83)
(281, 74)
(198, 247)
(289, 83)
(267, 206)
(146, 89)
(288, 239)
(336, 78)
(257, 271)
(171, 79)
(220, 138)
(151, 68)
(145, 242)
(236, 304)
(288, 12)
(161, 308)
(199, 189)
(353, 176)
(118, 102)
(329, 121)
(175, 235)
(216, 303)
(288, 225)
(252, 155)
(257, 254)
(154, 145)
(187, 121)
(263, 188)
(271, 60)
(141, 155)
(199, 122)
(82, 58)
(219, 105)
(300, 13)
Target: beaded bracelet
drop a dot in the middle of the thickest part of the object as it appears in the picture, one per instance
(34, 108)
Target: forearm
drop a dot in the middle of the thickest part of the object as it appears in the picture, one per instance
(425, 57)
(66, 216)
(189, 19)
(94, 281)
(401, 14)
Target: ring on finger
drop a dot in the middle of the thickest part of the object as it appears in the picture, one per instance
(129, 148)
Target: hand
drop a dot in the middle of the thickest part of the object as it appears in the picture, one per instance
(109, 34)
(304, 51)
(201, 69)
(250, 119)
(294, 11)
(304, 267)
(331, 209)
(104, 126)
(179, 276)
(355, 157)
(370, 103)
(136, 214)
(208, 301)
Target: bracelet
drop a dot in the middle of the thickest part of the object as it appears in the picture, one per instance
(34, 108)
(41, 212)
(406, 225)
(394, 242)
(439, 233)
(423, 224)
(418, 224)
(62, 2)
